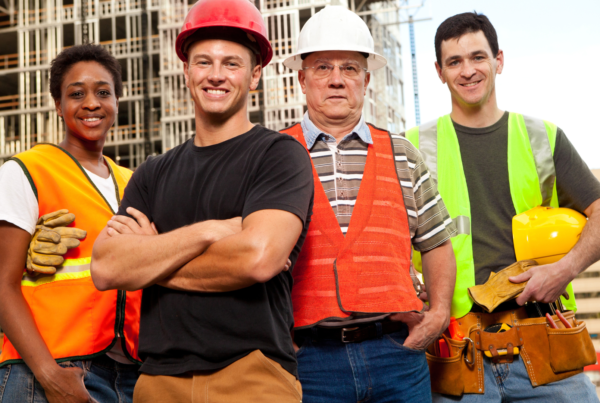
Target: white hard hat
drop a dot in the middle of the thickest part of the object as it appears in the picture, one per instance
(335, 28)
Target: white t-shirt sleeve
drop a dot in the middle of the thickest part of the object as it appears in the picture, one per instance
(18, 204)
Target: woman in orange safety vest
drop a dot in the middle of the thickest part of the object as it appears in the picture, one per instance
(65, 341)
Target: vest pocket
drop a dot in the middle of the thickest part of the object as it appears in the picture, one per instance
(447, 372)
(570, 349)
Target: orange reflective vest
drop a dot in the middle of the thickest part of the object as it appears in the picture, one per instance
(366, 271)
(75, 320)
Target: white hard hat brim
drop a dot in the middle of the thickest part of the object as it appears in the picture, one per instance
(374, 61)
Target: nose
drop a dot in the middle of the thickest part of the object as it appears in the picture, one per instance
(215, 75)
(335, 79)
(91, 102)
(468, 70)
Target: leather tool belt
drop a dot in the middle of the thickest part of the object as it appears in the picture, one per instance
(549, 355)
(352, 334)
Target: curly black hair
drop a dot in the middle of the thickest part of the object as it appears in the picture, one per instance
(83, 53)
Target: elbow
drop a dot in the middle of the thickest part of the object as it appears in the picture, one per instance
(101, 276)
(263, 266)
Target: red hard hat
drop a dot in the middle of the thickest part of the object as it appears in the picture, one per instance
(226, 13)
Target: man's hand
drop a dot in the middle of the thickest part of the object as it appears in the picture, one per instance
(120, 224)
(65, 385)
(423, 296)
(423, 328)
(544, 283)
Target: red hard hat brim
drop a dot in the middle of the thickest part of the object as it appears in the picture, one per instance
(266, 52)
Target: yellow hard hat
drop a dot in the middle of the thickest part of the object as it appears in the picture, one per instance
(546, 234)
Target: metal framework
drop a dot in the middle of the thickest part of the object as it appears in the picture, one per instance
(156, 112)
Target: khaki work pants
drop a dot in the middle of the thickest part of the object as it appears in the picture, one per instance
(254, 378)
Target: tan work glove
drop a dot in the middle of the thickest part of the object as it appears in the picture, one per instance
(51, 240)
(498, 289)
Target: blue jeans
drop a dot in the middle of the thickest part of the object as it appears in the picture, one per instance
(510, 383)
(107, 381)
(377, 370)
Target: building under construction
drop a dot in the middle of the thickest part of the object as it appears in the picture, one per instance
(156, 112)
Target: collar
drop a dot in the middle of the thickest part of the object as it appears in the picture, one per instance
(312, 132)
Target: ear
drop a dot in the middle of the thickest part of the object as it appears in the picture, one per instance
(367, 81)
(58, 107)
(117, 105)
(302, 80)
(439, 73)
(186, 74)
(500, 62)
(256, 72)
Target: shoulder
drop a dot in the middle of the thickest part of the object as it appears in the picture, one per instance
(271, 139)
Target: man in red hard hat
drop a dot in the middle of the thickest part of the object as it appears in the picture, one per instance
(207, 228)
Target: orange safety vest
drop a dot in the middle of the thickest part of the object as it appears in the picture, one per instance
(75, 320)
(367, 271)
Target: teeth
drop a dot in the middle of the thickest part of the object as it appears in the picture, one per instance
(471, 84)
(216, 91)
(91, 119)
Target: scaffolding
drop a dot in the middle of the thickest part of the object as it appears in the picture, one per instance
(156, 112)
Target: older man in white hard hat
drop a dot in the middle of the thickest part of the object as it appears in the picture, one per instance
(360, 325)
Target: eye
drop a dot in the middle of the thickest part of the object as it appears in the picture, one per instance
(322, 67)
(453, 63)
(351, 69)
(76, 94)
(104, 93)
(479, 58)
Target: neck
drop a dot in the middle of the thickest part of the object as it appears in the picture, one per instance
(338, 128)
(88, 153)
(476, 116)
(211, 130)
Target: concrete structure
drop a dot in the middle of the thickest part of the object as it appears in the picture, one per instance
(156, 112)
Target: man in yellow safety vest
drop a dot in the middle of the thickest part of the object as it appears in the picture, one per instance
(491, 165)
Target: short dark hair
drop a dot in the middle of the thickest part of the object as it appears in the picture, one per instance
(465, 23)
(83, 53)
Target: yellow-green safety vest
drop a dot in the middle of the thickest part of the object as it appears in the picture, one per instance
(531, 174)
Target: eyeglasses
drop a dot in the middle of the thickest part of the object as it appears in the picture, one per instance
(348, 70)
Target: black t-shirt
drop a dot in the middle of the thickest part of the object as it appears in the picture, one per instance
(258, 170)
(484, 156)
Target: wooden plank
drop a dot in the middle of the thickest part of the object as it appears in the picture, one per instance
(593, 327)
(587, 284)
(588, 305)
(594, 267)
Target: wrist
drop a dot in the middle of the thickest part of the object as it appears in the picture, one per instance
(46, 372)
(204, 235)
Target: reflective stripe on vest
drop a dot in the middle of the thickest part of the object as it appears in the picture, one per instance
(532, 181)
(366, 271)
(70, 269)
(73, 317)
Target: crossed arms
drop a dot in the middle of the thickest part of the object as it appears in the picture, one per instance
(209, 256)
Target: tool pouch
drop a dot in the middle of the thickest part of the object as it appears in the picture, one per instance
(493, 342)
(549, 355)
(447, 373)
(570, 349)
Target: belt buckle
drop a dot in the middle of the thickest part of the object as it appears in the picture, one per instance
(347, 329)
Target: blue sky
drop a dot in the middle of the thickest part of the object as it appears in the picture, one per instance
(552, 63)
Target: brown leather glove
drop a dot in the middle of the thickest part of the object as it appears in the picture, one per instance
(498, 289)
(51, 240)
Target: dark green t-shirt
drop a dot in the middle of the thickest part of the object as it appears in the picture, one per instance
(484, 156)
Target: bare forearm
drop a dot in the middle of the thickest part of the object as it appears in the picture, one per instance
(230, 264)
(132, 261)
(587, 250)
(439, 270)
(255, 255)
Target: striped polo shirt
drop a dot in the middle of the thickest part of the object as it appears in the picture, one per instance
(340, 167)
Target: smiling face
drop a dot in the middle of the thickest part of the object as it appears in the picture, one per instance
(88, 103)
(334, 98)
(219, 75)
(469, 68)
